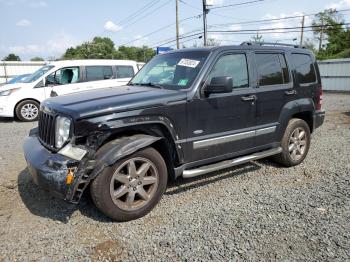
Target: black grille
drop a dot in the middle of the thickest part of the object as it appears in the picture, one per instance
(47, 129)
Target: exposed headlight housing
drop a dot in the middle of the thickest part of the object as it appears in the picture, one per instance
(8, 92)
(62, 130)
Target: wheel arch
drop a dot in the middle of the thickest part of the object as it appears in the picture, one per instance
(301, 108)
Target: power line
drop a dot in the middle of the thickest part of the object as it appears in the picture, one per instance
(276, 29)
(238, 4)
(138, 12)
(147, 14)
(161, 29)
(272, 19)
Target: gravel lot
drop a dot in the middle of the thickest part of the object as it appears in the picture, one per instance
(258, 211)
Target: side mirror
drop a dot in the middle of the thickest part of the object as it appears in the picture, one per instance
(219, 84)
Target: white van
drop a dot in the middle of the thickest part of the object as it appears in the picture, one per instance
(61, 78)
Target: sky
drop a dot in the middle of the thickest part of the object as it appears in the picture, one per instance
(46, 28)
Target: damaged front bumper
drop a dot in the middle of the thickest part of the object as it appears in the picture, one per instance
(50, 170)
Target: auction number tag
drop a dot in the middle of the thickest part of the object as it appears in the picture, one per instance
(188, 63)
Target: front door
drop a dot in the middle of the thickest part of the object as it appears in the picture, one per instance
(223, 124)
(64, 81)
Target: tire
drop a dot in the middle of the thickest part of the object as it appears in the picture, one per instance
(294, 150)
(120, 180)
(27, 111)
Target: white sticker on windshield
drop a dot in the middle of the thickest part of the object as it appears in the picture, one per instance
(188, 63)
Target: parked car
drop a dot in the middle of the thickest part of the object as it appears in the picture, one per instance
(221, 107)
(61, 78)
(18, 79)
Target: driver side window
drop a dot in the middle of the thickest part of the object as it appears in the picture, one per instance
(235, 66)
(64, 76)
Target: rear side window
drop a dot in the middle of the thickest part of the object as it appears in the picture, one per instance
(272, 69)
(304, 68)
(95, 73)
(125, 71)
(235, 66)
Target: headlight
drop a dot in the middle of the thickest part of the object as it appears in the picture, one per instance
(62, 130)
(8, 92)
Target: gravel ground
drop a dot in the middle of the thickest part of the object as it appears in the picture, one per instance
(258, 211)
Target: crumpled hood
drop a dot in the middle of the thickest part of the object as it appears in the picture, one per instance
(111, 100)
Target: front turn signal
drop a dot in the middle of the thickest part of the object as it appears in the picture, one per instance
(69, 177)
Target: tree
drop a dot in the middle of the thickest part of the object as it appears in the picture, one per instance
(213, 42)
(11, 57)
(98, 48)
(257, 39)
(328, 25)
(103, 48)
(37, 59)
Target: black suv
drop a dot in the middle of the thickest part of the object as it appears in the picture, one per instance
(186, 113)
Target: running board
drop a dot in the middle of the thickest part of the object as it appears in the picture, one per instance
(229, 163)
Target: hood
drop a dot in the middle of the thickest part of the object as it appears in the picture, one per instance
(15, 85)
(111, 100)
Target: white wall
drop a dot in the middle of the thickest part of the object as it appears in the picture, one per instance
(335, 74)
(10, 69)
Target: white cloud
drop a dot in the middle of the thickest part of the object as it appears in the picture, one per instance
(181, 30)
(38, 4)
(23, 23)
(140, 40)
(31, 3)
(339, 5)
(215, 2)
(112, 27)
(284, 23)
(55, 46)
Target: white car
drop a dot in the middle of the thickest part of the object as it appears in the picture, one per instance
(60, 78)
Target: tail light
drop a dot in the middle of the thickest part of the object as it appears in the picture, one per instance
(319, 99)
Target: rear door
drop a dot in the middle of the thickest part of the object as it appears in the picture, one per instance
(223, 124)
(274, 91)
(124, 74)
(100, 76)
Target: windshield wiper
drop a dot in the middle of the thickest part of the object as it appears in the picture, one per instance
(148, 84)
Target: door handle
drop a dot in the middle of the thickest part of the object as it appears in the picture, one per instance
(249, 98)
(290, 92)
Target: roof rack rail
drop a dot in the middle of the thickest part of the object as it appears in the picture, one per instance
(273, 44)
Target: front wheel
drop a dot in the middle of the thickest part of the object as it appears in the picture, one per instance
(131, 187)
(27, 111)
(295, 143)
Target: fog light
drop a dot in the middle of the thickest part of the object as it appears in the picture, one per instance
(70, 177)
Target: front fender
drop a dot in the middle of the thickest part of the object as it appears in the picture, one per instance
(110, 153)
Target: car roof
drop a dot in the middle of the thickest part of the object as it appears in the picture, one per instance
(91, 62)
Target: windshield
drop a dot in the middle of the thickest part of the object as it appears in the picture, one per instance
(172, 71)
(37, 74)
(18, 79)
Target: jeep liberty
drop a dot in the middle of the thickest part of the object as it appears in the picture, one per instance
(186, 113)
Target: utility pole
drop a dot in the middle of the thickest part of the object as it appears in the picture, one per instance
(205, 12)
(321, 36)
(177, 24)
(302, 31)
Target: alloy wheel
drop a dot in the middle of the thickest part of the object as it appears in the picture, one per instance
(29, 111)
(134, 183)
(297, 144)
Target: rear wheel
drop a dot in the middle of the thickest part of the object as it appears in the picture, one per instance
(27, 110)
(132, 186)
(295, 143)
